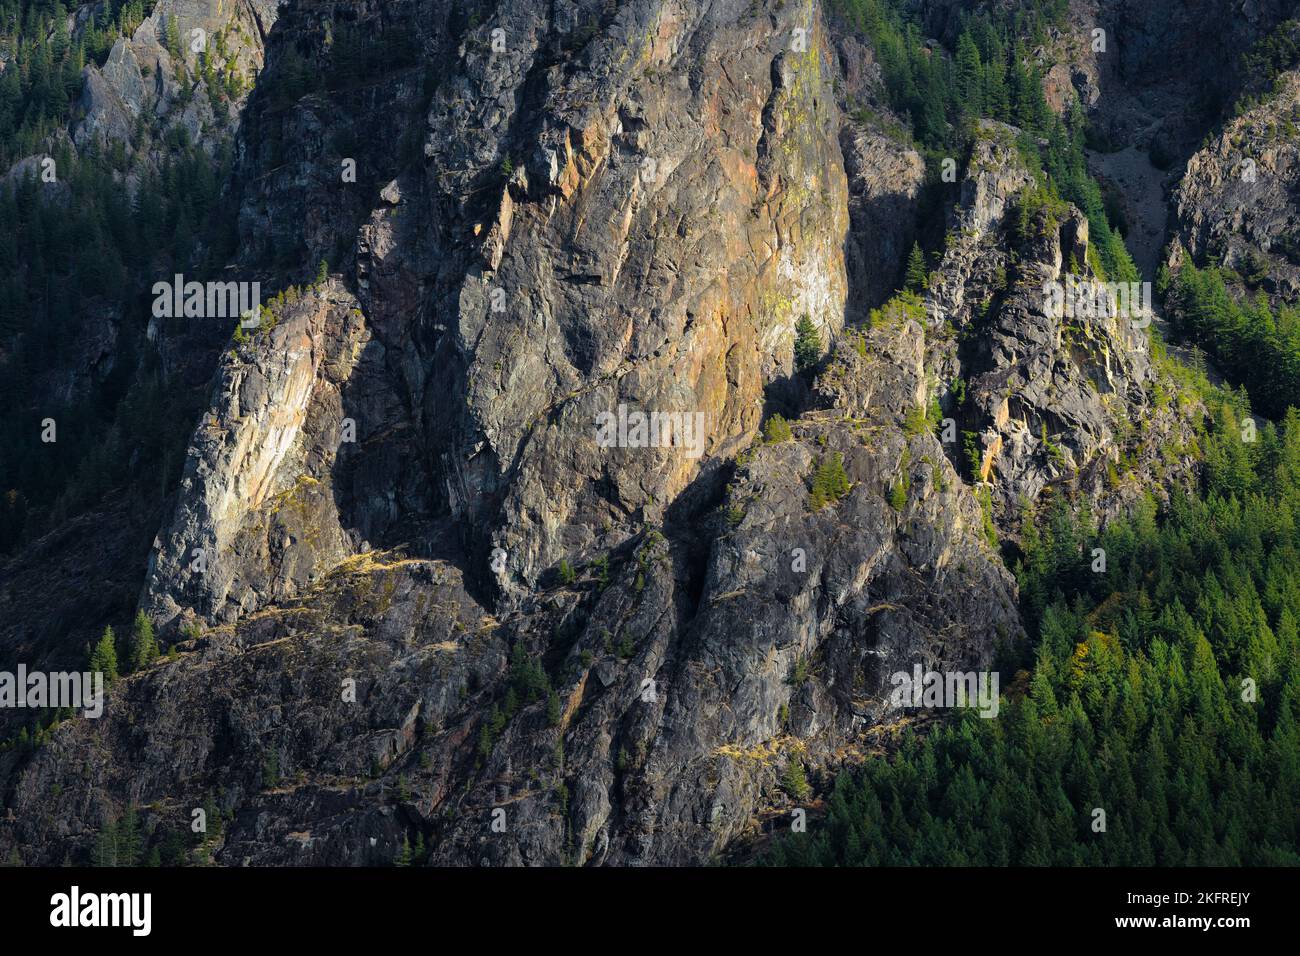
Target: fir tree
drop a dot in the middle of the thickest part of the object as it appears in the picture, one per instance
(793, 780)
(144, 645)
(916, 276)
(103, 659)
(807, 344)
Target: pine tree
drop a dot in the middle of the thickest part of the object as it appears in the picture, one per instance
(144, 645)
(172, 39)
(807, 344)
(830, 483)
(916, 277)
(970, 77)
(104, 658)
(793, 780)
(105, 850)
(128, 838)
(777, 429)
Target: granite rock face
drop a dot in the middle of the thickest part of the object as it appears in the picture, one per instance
(256, 518)
(1046, 367)
(645, 234)
(430, 603)
(1239, 201)
(142, 88)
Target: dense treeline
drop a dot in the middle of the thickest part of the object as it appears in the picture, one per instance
(1165, 693)
(989, 75)
(43, 63)
(1267, 60)
(1254, 344)
(82, 251)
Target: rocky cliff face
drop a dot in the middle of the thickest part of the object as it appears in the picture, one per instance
(1239, 201)
(1044, 396)
(548, 261)
(427, 600)
(1156, 75)
(144, 89)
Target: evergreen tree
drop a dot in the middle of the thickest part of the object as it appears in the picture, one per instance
(144, 645)
(916, 275)
(970, 77)
(104, 657)
(794, 781)
(807, 344)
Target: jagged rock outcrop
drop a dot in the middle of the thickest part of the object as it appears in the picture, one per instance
(256, 517)
(885, 182)
(141, 91)
(1049, 396)
(623, 295)
(1239, 201)
(550, 262)
(679, 697)
(475, 607)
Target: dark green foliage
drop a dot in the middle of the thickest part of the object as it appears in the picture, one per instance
(119, 842)
(777, 429)
(600, 567)
(830, 483)
(144, 645)
(972, 454)
(527, 678)
(1136, 704)
(807, 344)
(528, 684)
(1266, 61)
(915, 278)
(898, 495)
(794, 781)
(565, 573)
(1254, 345)
(61, 265)
(916, 421)
(989, 74)
(271, 770)
(103, 659)
(211, 819)
(357, 58)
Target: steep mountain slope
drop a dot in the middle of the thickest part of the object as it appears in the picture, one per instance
(426, 593)
(122, 182)
(1239, 202)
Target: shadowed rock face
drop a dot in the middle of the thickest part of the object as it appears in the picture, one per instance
(1239, 200)
(634, 218)
(133, 102)
(139, 86)
(1158, 74)
(429, 594)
